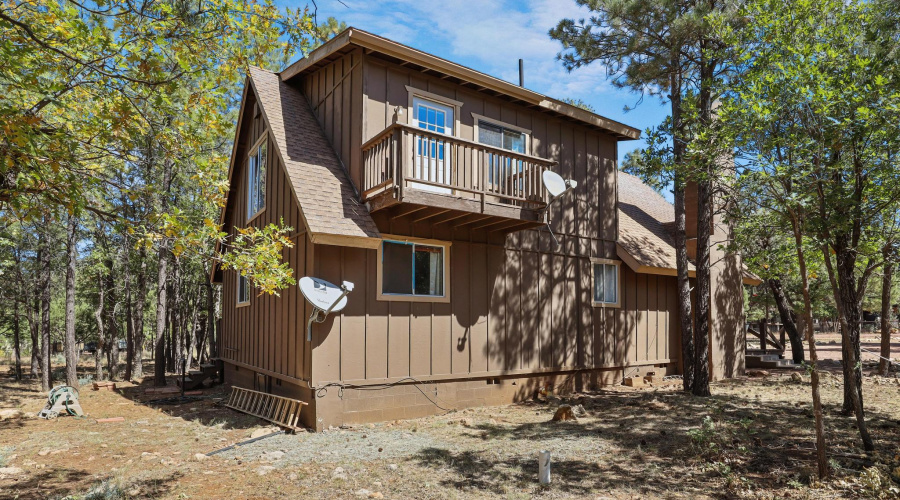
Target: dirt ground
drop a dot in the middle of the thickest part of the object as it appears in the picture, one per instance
(752, 439)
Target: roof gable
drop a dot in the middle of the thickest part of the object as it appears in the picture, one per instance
(326, 196)
(466, 76)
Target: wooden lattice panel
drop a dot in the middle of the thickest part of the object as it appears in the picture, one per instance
(276, 409)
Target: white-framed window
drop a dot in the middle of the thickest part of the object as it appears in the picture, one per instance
(256, 179)
(413, 270)
(605, 278)
(243, 290)
(502, 136)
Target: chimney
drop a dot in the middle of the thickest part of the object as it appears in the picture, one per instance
(521, 73)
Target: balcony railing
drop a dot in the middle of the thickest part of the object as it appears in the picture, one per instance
(403, 156)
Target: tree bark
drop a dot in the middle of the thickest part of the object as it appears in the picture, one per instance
(702, 328)
(35, 330)
(44, 259)
(101, 339)
(884, 366)
(17, 349)
(159, 366)
(112, 354)
(71, 348)
(137, 370)
(681, 257)
(850, 304)
(821, 452)
(162, 276)
(785, 312)
(847, 406)
(707, 66)
(129, 316)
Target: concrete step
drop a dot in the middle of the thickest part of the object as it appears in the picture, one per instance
(754, 352)
(768, 362)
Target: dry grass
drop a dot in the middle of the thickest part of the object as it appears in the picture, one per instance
(752, 439)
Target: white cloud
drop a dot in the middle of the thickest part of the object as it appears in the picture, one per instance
(490, 36)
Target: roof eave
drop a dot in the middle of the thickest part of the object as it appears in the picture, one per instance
(370, 41)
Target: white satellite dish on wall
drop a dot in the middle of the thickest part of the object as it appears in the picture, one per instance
(556, 186)
(325, 298)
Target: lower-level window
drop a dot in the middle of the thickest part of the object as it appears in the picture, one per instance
(606, 282)
(412, 269)
(243, 290)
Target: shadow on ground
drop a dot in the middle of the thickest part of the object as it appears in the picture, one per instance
(61, 483)
(768, 444)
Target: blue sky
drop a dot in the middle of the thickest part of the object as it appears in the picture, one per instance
(490, 36)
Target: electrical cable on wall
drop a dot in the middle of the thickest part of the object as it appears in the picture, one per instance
(321, 391)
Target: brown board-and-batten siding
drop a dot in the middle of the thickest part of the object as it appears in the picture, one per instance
(518, 304)
(511, 312)
(266, 334)
(335, 94)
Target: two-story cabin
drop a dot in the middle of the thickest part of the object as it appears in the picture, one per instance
(419, 180)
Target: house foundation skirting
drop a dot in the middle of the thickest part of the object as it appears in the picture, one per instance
(336, 404)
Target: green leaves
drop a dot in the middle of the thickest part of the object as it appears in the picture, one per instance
(256, 253)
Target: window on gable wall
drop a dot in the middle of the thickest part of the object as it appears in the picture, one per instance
(606, 283)
(256, 180)
(243, 290)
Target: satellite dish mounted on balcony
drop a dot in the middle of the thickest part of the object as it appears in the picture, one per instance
(556, 186)
(325, 298)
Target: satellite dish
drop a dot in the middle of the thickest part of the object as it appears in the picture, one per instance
(325, 298)
(554, 183)
(556, 186)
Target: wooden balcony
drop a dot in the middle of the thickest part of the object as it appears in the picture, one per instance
(409, 165)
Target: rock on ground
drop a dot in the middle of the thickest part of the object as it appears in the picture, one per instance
(265, 431)
(564, 413)
(10, 471)
(11, 413)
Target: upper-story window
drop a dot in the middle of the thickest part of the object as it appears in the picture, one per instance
(256, 179)
(432, 153)
(492, 134)
(503, 136)
(433, 116)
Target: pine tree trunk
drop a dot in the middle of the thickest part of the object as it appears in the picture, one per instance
(787, 319)
(35, 331)
(884, 366)
(704, 232)
(71, 348)
(112, 355)
(129, 317)
(137, 370)
(159, 366)
(681, 258)
(701, 336)
(17, 349)
(44, 259)
(162, 279)
(101, 339)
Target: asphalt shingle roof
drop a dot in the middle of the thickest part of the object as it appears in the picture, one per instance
(643, 216)
(326, 195)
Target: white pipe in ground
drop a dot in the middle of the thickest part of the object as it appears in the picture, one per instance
(544, 467)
